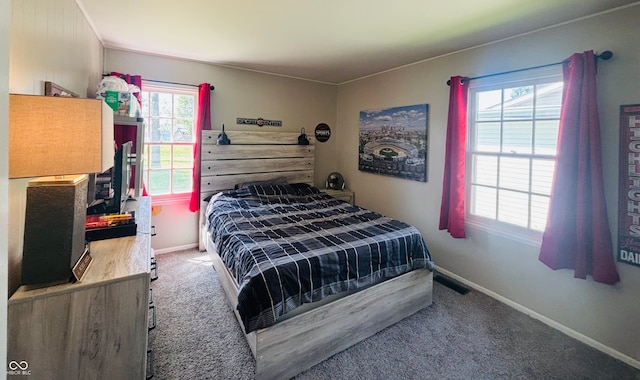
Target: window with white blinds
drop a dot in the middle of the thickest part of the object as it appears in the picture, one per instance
(513, 133)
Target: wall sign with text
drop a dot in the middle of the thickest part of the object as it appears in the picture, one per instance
(629, 186)
(260, 122)
(322, 132)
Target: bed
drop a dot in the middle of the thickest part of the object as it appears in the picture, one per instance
(289, 331)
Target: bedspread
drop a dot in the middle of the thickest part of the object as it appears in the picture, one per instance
(286, 247)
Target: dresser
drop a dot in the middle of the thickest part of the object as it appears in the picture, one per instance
(93, 329)
(345, 195)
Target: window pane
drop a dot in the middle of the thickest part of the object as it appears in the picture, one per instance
(542, 176)
(145, 104)
(518, 103)
(161, 104)
(485, 170)
(183, 156)
(183, 131)
(160, 182)
(514, 173)
(513, 207)
(546, 137)
(489, 105)
(160, 130)
(182, 181)
(487, 137)
(539, 210)
(159, 156)
(549, 100)
(184, 106)
(483, 201)
(517, 136)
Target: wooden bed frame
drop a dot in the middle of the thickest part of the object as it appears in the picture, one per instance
(297, 343)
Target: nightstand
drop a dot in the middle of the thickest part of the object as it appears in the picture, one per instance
(345, 195)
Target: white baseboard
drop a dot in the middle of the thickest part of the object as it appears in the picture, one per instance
(562, 328)
(173, 249)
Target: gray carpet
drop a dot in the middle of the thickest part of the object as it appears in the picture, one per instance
(468, 336)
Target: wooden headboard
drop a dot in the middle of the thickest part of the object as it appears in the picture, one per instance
(254, 156)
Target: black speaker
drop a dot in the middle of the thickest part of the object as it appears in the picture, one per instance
(54, 230)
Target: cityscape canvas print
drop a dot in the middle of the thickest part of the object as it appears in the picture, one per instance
(393, 141)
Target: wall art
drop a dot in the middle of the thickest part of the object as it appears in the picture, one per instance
(393, 141)
(52, 89)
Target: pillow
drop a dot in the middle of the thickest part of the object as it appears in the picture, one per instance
(307, 190)
(299, 185)
(275, 181)
(271, 189)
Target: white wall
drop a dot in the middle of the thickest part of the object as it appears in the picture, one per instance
(50, 40)
(602, 315)
(5, 12)
(238, 93)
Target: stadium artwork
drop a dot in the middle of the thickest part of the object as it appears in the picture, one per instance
(393, 141)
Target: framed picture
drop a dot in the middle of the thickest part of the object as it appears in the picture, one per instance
(52, 89)
(393, 142)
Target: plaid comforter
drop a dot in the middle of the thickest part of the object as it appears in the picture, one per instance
(288, 246)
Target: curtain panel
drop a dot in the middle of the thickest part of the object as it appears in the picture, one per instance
(203, 122)
(577, 234)
(453, 186)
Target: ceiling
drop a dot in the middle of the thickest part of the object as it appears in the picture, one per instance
(328, 41)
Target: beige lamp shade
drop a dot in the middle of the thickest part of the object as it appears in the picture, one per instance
(50, 135)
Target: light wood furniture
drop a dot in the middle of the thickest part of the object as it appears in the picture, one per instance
(321, 329)
(345, 195)
(254, 156)
(298, 343)
(93, 329)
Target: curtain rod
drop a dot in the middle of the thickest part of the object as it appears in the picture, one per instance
(606, 55)
(161, 81)
(180, 84)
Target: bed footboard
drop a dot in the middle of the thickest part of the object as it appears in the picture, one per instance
(296, 344)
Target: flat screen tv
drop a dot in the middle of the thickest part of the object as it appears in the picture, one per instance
(121, 178)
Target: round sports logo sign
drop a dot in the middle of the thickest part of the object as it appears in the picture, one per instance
(322, 132)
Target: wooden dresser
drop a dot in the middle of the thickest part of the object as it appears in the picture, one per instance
(93, 329)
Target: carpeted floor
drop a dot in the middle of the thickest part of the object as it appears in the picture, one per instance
(468, 336)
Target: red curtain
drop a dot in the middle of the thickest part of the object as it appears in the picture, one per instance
(124, 133)
(453, 191)
(203, 122)
(577, 235)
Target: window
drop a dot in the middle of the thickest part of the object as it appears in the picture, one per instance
(169, 115)
(513, 132)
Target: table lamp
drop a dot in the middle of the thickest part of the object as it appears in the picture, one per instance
(66, 138)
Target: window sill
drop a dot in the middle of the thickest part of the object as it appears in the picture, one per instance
(160, 200)
(517, 234)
